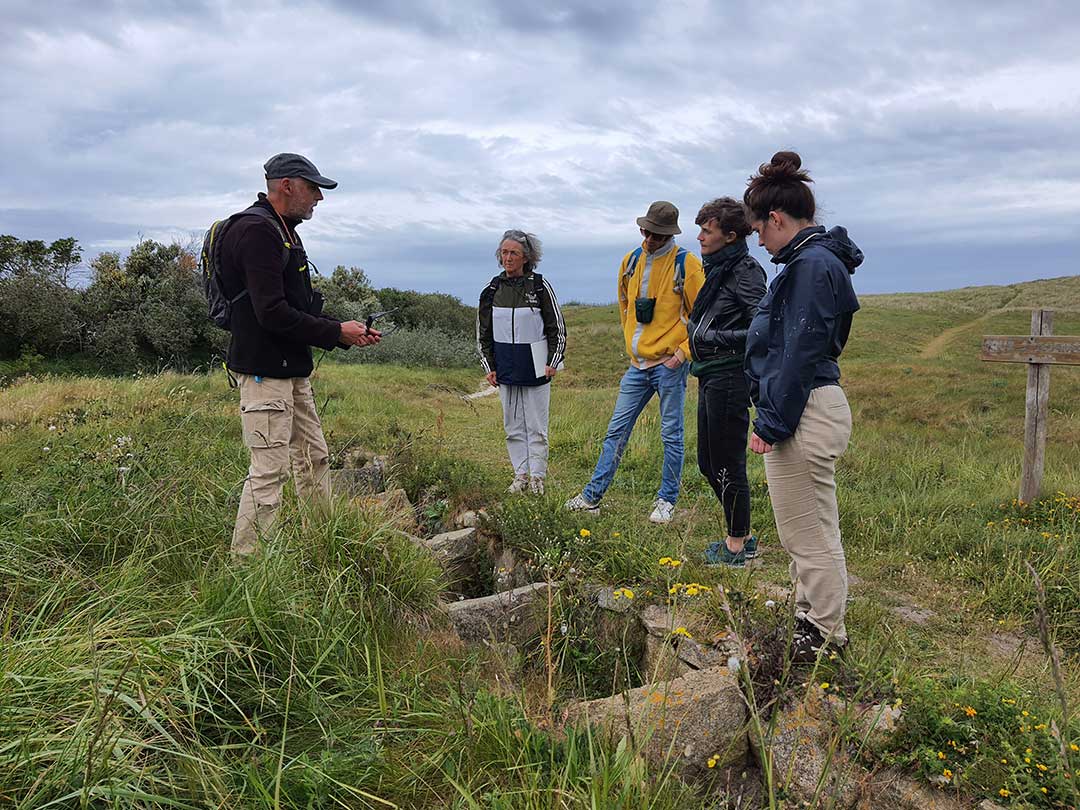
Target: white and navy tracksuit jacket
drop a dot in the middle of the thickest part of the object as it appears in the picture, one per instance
(514, 314)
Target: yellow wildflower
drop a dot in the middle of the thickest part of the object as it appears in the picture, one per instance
(970, 711)
(947, 773)
(584, 533)
(712, 761)
(824, 684)
(1074, 747)
(941, 755)
(1043, 789)
(1024, 713)
(616, 534)
(1003, 793)
(1041, 767)
(624, 593)
(681, 631)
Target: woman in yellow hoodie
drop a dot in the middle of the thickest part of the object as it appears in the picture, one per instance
(657, 285)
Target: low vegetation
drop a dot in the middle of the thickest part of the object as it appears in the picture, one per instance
(141, 669)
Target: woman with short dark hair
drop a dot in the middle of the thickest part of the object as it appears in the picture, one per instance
(803, 420)
(734, 283)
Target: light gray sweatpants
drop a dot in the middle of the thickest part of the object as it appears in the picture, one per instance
(525, 420)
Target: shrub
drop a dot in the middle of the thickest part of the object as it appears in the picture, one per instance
(420, 347)
(437, 312)
(37, 313)
(148, 310)
(348, 294)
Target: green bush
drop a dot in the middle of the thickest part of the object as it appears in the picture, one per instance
(347, 294)
(148, 310)
(420, 347)
(421, 312)
(39, 314)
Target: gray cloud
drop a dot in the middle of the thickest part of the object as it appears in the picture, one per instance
(942, 135)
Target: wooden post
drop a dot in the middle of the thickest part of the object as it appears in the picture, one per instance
(1035, 414)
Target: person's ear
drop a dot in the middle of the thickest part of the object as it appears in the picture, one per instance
(730, 237)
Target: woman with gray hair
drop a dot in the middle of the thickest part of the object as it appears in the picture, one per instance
(521, 340)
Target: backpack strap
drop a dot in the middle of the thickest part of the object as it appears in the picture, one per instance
(679, 283)
(631, 265)
(212, 247)
(680, 271)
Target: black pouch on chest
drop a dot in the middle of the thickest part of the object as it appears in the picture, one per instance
(644, 309)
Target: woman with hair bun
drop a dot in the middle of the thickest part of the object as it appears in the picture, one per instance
(734, 284)
(803, 420)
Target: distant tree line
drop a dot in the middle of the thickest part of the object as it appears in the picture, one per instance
(145, 311)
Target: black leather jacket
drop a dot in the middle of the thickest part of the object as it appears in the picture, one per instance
(734, 284)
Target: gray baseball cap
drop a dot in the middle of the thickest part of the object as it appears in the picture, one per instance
(288, 164)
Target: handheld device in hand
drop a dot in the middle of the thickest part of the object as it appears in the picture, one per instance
(370, 320)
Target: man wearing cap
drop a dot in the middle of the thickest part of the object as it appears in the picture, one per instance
(275, 319)
(657, 285)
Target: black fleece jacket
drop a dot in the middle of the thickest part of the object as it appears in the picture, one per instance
(274, 326)
(801, 327)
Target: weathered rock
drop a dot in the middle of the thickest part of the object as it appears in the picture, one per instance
(607, 600)
(358, 482)
(469, 519)
(659, 621)
(457, 553)
(810, 759)
(509, 570)
(986, 804)
(508, 617)
(689, 654)
(660, 662)
(891, 790)
(692, 718)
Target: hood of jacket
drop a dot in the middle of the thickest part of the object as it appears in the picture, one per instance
(835, 240)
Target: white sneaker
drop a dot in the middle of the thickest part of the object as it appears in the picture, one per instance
(536, 486)
(579, 504)
(662, 511)
(520, 484)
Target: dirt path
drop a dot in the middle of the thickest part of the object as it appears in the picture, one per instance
(936, 346)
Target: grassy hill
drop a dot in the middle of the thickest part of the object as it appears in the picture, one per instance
(141, 669)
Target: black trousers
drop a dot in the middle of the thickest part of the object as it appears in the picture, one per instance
(723, 424)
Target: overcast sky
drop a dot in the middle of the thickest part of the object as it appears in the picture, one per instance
(944, 135)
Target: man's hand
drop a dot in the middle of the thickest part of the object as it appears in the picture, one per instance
(490, 377)
(354, 333)
(675, 360)
(759, 445)
(550, 372)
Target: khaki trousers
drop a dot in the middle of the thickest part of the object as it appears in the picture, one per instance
(802, 487)
(282, 429)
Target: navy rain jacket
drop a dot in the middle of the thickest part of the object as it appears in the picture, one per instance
(800, 328)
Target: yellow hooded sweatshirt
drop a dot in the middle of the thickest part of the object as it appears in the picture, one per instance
(654, 277)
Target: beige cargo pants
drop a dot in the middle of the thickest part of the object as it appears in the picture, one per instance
(801, 472)
(282, 429)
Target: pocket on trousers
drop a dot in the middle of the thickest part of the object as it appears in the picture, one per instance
(265, 423)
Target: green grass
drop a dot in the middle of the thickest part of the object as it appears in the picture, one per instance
(141, 669)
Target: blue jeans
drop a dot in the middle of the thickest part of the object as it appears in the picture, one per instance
(635, 390)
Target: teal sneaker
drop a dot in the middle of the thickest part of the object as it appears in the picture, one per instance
(750, 547)
(717, 553)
